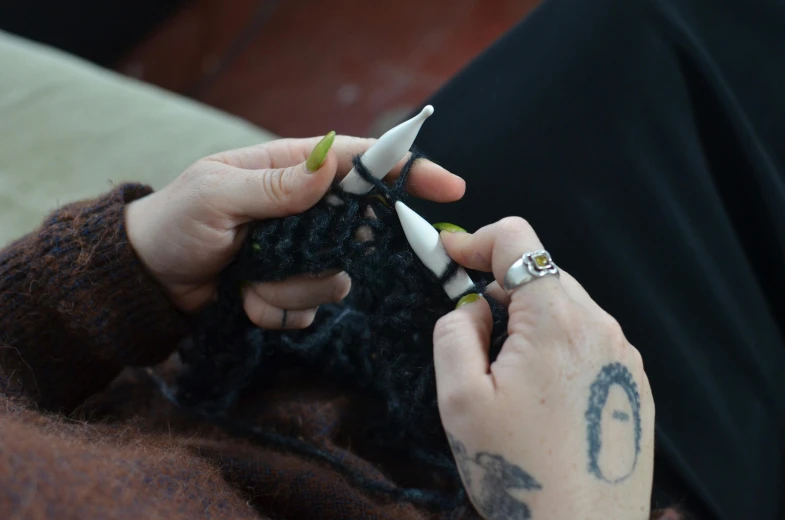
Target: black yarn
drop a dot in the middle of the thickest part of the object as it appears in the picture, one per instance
(378, 340)
(431, 498)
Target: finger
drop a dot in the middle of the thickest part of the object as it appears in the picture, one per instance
(281, 153)
(495, 291)
(461, 340)
(427, 179)
(304, 292)
(270, 193)
(496, 247)
(268, 316)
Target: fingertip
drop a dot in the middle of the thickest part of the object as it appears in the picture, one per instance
(431, 181)
(477, 309)
(448, 188)
(328, 169)
(253, 305)
(318, 155)
(447, 238)
(455, 245)
(342, 287)
(468, 299)
(458, 188)
(311, 186)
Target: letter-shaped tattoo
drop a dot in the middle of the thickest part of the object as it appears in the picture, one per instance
(614, 412)
(498, 477)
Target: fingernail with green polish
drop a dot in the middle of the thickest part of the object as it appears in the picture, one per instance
(466, 300)
(319, 153)
(450, 228)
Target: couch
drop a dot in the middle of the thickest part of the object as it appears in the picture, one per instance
(69, 130)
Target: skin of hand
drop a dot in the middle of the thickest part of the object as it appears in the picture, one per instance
(561, 424)
(187, 232)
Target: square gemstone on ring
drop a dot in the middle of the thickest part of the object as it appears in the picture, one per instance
(540, 263)
(542, 260)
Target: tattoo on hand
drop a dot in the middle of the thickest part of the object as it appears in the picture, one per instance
(490, 492)
(613, 413)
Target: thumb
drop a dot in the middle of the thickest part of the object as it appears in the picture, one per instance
(280, 192)
(461, 340)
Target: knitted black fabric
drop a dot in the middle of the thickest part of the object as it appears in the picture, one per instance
(378, 340)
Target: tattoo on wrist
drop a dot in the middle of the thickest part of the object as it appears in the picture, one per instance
(488, 478)
(614, 412)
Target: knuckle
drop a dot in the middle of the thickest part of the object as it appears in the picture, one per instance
(447, 332)
(456, 400)
(198, 176)
(220, 157)
(266, 155)
(636, 360)
(277, 187)
(612, 330)
(514, 225)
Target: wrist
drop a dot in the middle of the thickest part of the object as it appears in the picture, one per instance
(153, 236)
(137, 226)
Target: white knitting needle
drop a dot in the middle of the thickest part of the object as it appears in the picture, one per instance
(427, 245)
(385, 153)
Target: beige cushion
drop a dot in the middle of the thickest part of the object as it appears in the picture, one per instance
(68, 130)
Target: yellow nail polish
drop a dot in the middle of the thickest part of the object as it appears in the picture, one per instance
(319, 153)
(450, 228)
(466, 300)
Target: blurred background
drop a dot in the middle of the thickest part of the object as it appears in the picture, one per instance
(295, 67)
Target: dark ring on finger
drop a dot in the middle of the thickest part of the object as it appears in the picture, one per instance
(284, 318)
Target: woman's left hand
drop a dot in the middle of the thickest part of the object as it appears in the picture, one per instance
(186, 233)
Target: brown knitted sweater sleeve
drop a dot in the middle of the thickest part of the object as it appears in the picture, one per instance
(76, 306)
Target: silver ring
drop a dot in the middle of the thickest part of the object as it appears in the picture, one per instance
(529, 267)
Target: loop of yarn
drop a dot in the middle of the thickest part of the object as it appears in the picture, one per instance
(378, 340)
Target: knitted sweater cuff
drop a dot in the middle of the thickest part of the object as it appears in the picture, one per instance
(77, 304)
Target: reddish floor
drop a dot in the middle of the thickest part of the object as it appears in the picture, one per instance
(319, 65)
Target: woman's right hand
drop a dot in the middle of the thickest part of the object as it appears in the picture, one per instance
(561, 425)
